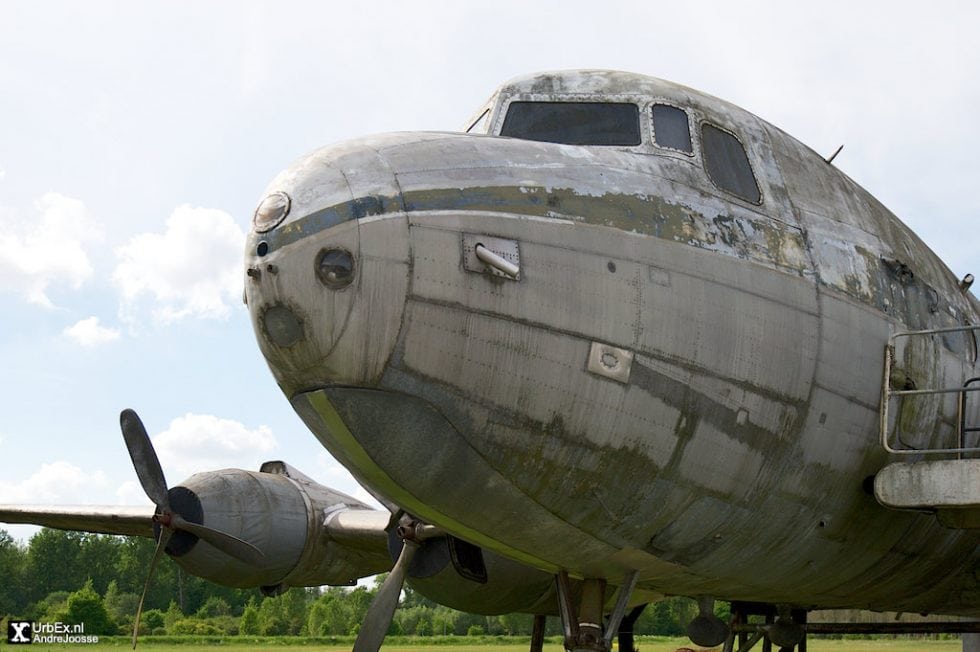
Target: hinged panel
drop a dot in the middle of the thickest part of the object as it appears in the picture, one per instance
(506, 249)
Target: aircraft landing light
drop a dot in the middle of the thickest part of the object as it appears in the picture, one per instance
(271, 212)
(283, 326)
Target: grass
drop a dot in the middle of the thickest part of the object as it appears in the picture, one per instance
(483, 644)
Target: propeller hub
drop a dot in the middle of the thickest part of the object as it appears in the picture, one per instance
(186, 504)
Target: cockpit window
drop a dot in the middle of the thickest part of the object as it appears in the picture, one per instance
(670, 128)
(574, 123)
(727, 164)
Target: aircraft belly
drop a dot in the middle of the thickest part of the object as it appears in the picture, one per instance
(356, 425)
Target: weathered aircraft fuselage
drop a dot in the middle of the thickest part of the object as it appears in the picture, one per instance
(684, 377)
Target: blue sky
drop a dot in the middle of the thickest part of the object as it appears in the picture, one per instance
(136, 139)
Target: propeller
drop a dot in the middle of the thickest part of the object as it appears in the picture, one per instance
(382, 610)
(145, 459)
(165, 535)
(150, 474)
(378, 618)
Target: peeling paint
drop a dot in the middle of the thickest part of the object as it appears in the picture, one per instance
(749, 415)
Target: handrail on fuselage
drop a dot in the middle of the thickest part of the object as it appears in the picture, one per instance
(887, 393)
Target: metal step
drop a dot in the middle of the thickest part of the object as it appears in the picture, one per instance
(950, 488)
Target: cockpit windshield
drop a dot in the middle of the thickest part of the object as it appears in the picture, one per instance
(574, 123)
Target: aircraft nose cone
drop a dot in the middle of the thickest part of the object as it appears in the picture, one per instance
(325, 281)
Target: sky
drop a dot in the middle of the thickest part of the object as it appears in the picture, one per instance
(137, 138)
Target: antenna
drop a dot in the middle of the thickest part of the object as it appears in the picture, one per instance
(834, 155)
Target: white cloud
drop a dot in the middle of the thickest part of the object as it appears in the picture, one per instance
(340, 479)
(89, 333)
(131, 492)
(326, 463)
(55, 482)
(39, 252)
(192, 269)
(202, 442)
(362, 495)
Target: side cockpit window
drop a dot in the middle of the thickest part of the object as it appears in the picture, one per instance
(727, 164)
(671, 129)
(574, 123)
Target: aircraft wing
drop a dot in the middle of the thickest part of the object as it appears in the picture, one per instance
(105, 519)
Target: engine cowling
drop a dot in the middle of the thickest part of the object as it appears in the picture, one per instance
(462, 576)
(282, 513)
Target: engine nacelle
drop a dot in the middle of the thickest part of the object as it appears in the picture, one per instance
(282, 513)
(463, 576)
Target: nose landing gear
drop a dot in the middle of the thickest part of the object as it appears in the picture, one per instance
(583, 627)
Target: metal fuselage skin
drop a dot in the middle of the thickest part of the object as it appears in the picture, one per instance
(731, 459)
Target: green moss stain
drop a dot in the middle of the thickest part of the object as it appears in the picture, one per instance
(333, 427)
(753, 238)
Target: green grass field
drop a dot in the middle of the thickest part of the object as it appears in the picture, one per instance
(645, 644)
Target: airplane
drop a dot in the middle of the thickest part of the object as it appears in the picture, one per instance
(615, 340)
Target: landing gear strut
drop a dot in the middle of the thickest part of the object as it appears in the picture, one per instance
(537, 633)
(583, 627)
(625, 634)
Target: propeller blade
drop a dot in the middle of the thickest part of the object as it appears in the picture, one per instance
(144, 458)
(226, 543)
(382, 610)
(165, 535)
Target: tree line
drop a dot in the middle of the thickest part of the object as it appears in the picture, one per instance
(74, 577)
